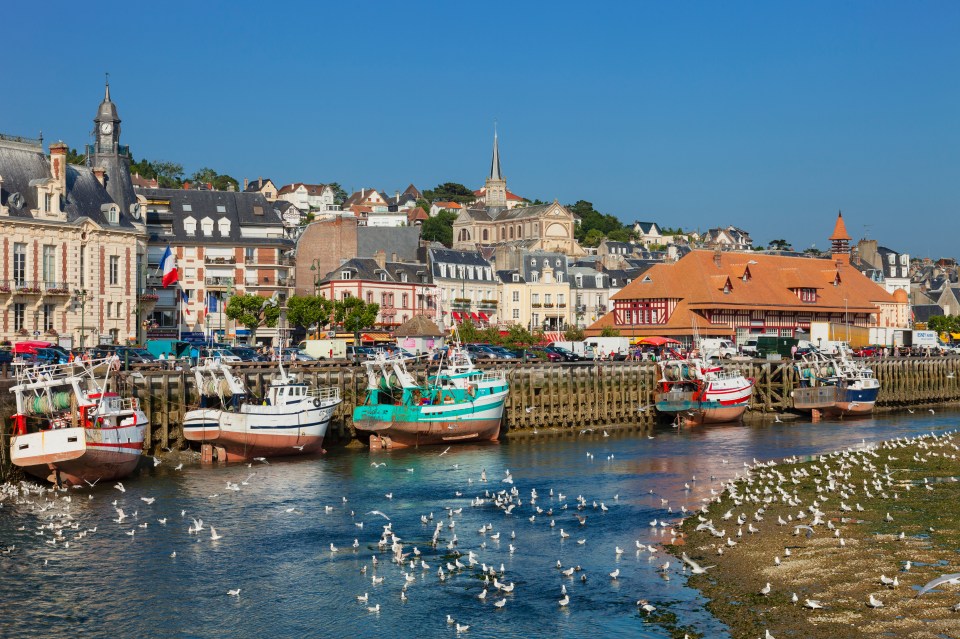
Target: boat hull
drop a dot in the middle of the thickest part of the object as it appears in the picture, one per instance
(260, 431)
(74, 456)
(854, 401)
(403, 426)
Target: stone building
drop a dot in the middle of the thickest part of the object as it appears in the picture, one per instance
(544, 227)
(73, 240)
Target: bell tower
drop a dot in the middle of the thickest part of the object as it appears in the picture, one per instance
(106, 127)
(495, 189)
(108, 154)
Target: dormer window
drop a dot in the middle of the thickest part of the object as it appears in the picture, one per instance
(727, 287)
(345, 275)
(836, 279)
(383, 276)
(746, 274)
(579, 279)
(533, 262)
(516, 277)
(403, 277)
(223, 225)
(189, 225)
(807, 295)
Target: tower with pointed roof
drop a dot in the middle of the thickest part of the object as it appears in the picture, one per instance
(840, 240)
(495, 194)
(107, 153)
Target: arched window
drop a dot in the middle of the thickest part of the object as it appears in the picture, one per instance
(511, 232)
(484, 235)
(519, 231)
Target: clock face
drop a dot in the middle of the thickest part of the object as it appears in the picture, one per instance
(106, 128)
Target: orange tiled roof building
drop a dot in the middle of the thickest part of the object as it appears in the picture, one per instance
(739, 294)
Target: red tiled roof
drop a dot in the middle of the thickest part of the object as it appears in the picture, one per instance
(510, 194)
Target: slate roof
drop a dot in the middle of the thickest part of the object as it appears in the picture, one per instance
(647, 227)
(923, 312)
(506, 275)
(402, 240)
(253, 187)
(23, 166)
(315, 190)
(438, 256)
(240, 208)
(366, 268)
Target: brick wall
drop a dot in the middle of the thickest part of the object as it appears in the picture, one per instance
(330, 242)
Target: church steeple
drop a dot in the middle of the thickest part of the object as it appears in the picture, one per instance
(495, 189)
(107, 154)
(495, 173)
(840, 240)
(106, 126)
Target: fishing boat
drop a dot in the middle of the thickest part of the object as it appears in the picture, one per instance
(457, 404)
(694, 391)
(835, 384)
(69, 427)
(231, 425)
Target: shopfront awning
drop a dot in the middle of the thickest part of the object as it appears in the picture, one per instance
(484, 316)
(457, 317)
(474, 317)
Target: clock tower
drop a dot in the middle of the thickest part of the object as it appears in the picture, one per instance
(108, 154)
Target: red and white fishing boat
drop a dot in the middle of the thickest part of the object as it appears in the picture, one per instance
(699, 392)
(69, 428)
(233, 426)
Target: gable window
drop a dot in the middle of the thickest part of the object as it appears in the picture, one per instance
(344, 275)
(189, 225)
(383, 277)
(403, 277)
(223, 225)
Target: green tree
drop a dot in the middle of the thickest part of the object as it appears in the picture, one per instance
(450, 191)
(468, 332)
(573, 334)
(76, 158)
(780, 245)
(253, 311)
(309, 310)
(339, 195)
(355, 315)
(944, 323)
(619, 235)
(439, 228)
(519, 337)
(592, 238)
(491, 335)
(609, 332)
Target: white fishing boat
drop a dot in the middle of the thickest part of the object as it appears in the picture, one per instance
(291, 419)
(69, 428)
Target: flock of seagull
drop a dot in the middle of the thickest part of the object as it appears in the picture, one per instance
(832, 482)
(441, 549)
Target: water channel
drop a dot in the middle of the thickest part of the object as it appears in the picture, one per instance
(278, 520)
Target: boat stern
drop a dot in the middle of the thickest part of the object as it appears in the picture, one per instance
(47, 447)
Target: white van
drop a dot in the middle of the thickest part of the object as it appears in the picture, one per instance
(716, 348)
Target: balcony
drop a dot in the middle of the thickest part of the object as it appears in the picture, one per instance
(488, 305)
(270, 282)
(218, 282)
(461, 304)
(56, 288)
(219, 260)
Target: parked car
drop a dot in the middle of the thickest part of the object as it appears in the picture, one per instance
(297, 355)
(483, 351)
(248, 354)
(569, 356)
(868, 351)
(218, 353)
(525, 354)
(503, 352)
(546, 352)
(749, 347)
(358, 354)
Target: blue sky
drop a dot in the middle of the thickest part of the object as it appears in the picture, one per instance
(767, 115)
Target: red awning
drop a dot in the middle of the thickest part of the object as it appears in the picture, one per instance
(474, 317)
(484, 316)
(657, 341)
(457, 316)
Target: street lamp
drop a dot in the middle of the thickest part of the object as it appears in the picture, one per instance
(316, 277)
(80, 295)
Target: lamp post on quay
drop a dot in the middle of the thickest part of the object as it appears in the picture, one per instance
(80, 295)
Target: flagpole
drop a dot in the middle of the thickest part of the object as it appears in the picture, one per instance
(179, 313)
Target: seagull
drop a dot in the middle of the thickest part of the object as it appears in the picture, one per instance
(180, 467)
(812, 604)
(462, 628)
(873, 602)
(213, 534)
(501, 603)
(615, 574)
(377, 512)
(374, 608)
(149, 500)
(156, 462)
(444, 453)
(119, 486)
(765, 590)
(234, 593)
(300, 448)
(563, 602)
(933, 412)
(450, 620)
(94, 482)
(389, 495)
(376, 465)
(695, 568)
(942, 579)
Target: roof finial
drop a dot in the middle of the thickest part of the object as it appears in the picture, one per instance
(106, 94)
(495, 173)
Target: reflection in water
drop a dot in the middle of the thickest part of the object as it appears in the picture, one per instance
(277, 531)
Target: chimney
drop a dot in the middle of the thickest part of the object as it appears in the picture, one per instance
(246, 183)
(717, 254)
(363, 193)
(380, 257)
(100, 173)
(3, 210)
(260, 182)
(393, 257)
(58, 165)
(396, 197)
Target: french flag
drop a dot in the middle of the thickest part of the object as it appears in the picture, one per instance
(168, 264)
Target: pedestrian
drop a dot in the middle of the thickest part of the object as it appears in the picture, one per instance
(793, 352)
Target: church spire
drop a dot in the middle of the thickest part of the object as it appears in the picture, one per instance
(495, 173)
(106, 92)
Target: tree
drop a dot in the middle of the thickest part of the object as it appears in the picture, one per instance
(252, 311)
(219, 182)
(339, 195)
(944, 323)
(609, 332)
(354, 314)
(592, 238)
(439, 228)
(619, 235)
(573, 334)
(76, 158)
(309, 310)
(780, 245)
(519, 337)
(450, 191)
